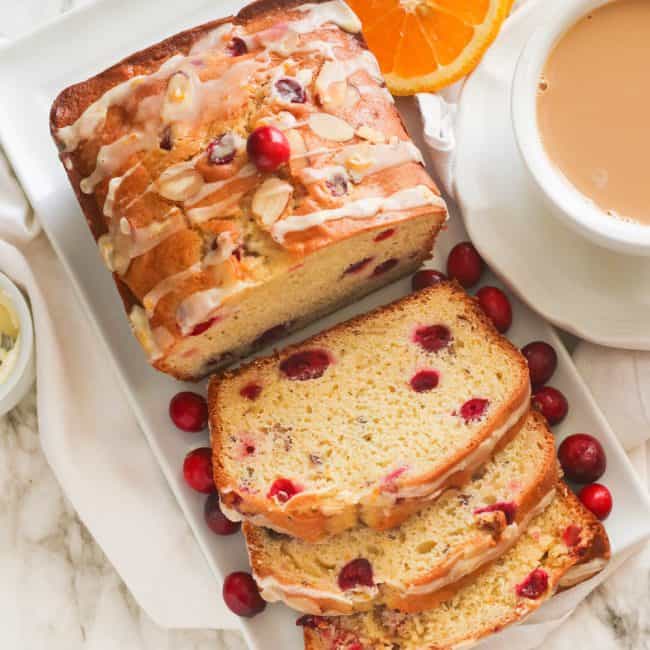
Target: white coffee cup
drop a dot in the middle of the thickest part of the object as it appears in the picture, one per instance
(566, 202)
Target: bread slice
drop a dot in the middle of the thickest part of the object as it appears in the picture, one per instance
(563, 545)
(369, 421)
(408, 566)
(212, 256)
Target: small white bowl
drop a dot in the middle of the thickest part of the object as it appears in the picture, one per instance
(565, 201)
(23, 374)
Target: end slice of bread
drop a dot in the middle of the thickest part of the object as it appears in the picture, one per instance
(410, 565)
(369, 421)
(563, 545)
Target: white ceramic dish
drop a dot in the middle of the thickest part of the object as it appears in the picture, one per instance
(31, 81)
(23, 373)
(587, 290)
(564, 200)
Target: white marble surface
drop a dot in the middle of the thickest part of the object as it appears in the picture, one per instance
(59, 592)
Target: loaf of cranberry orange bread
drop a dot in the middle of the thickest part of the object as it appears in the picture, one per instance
(369, 421)
(407, 567)
(245, 177)
(563, 546)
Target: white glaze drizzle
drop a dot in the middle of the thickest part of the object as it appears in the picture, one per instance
(414, 197)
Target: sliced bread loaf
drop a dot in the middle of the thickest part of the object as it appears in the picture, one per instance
(562, 546)
(369, 421)
(405, 568)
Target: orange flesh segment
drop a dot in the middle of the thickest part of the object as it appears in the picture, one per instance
(415, 57)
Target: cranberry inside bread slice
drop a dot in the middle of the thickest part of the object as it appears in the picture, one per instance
(405, 568)
(369, 421)
(564, 545)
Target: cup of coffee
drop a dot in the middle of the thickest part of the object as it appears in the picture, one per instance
(581, 116)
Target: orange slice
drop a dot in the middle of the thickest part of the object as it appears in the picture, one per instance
(424, 45)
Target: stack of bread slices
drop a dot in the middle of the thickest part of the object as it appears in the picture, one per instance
(395, 486)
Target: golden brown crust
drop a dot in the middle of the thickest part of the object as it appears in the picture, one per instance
(302, 517)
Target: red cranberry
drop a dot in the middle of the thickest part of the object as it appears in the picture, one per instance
(427, 278)
(357, 267)
(251, 391)
(283, 489)
(473, 409)
(386, 266)
(356, 573)
(202, 327)
(432, 337)
(222, 150)
(465, 264)
(189, 411)
(290, 90)
(542, 361)
(582, 458)
(497, 307)
(307, 364)
(337, 185)
(571, 535)
(598, 499)
(268, 148)
(197, 470)
(237, 47)
(508, 508)
(309, 620)
(272, 334)
(242, 595)
(424, 381)
(384, 234)
(552, 404)
(216, 520)
(534, 586)
(166, 139)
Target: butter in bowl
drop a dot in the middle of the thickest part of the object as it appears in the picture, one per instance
(17, 371)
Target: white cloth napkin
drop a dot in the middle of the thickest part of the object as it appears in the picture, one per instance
(93, 443)
(99, 455)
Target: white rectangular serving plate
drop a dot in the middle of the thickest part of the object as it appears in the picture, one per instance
(32, 72)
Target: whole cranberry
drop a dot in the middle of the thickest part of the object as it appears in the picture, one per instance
(465, 264)
(216, 520)
(189, 411)
(356, 573)
(496, 305)
(197, 470)
(582, 458)
(598, 499)
(427, 278)
(242, 595)
(551, 403)
(268, 148)
(542, 361)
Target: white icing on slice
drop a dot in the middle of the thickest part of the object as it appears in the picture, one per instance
(210, 188)
(151, 299)
(198, 307)
(212, 40)
(414, 197)
(221, 209)
(335, 11)
(95, 114)
(226, 246)
(111, 157)
(337, 71)
(365, 159)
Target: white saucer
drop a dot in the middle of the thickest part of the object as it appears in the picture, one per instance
(589, 291)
